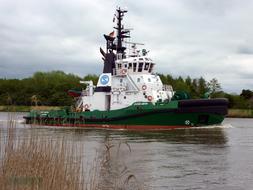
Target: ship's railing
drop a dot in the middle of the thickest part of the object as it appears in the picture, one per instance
(132, 83)
(167, 87)
(79, 102)
(85, 93)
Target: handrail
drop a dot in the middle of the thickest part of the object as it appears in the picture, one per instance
(132, 83)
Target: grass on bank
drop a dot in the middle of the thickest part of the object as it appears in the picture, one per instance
(27, 108)
(240, 113)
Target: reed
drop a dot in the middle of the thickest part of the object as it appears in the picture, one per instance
(35, 162)
(115, 174)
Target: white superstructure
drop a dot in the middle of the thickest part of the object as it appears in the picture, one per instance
(133, 81)
(126, 78)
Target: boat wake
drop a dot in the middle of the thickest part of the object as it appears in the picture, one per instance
(222, 126)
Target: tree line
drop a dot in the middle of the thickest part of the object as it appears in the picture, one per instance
(50, 89)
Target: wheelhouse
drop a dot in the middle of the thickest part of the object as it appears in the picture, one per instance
(135, 65)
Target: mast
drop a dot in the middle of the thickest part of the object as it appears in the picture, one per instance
(121, 32)
(112, 45)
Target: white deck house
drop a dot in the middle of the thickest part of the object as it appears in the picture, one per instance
(133, 81)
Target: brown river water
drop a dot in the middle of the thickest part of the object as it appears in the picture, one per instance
(219, 157)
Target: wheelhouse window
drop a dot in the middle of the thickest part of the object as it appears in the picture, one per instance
(119, 56)
(146, 66)
(135, 64)
(151, 67)
(130, 66)
(140, 67)
(125, 65)
(119, 65)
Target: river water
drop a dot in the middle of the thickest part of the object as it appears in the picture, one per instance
(218, 157)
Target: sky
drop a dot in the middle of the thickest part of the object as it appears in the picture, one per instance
(208, 38)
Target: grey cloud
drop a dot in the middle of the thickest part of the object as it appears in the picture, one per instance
(245, 50)
(185, 37)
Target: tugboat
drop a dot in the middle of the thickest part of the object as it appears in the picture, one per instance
(129, 95)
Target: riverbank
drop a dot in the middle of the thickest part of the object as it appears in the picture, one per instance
(240, 113)
(236, 113)
(27, 108)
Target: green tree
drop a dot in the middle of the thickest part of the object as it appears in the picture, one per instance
(202, 86)
(93, 78)
(214, 86)
(247, 94)
(188, 81)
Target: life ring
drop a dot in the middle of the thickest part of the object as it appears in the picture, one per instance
(150, 98)
(86, 106)
(123, 71)
(144, 87)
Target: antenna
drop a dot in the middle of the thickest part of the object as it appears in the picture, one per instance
(134, 43)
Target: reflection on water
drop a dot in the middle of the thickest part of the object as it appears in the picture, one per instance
(189, 136)
(198, 158)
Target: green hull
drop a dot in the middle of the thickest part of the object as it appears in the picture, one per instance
(141, 115)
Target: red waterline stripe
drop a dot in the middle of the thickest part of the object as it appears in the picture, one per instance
(124, 127)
